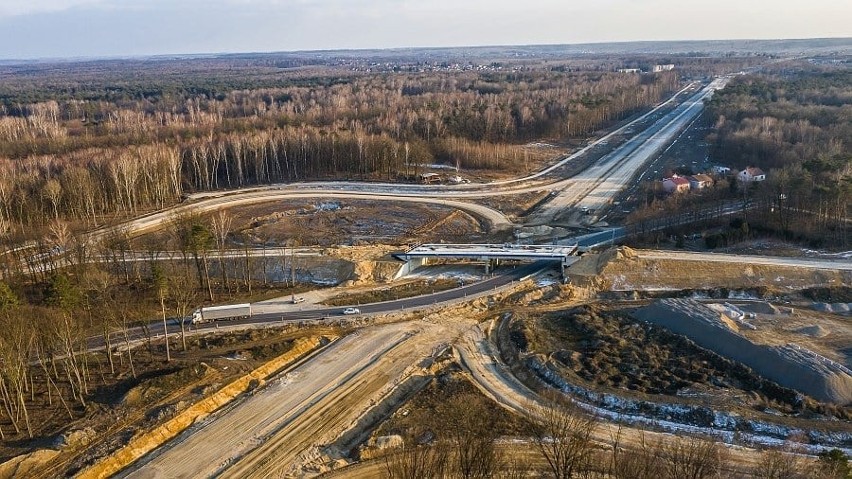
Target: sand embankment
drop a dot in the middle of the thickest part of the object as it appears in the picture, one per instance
(146, 442)
(791, 366)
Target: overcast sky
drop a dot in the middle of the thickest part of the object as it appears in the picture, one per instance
(86, 28)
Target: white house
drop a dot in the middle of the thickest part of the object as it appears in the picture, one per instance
(751, 174)
(696, 182)
(721, 170)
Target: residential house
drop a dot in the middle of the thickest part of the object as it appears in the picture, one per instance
(751, 174)
(676, 184)
(699, 181)
(721, 170)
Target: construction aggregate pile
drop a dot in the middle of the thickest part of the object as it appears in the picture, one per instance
(791, 365)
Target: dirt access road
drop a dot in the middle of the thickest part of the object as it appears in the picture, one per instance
(492, 377)
(840, 265)
(283, 426)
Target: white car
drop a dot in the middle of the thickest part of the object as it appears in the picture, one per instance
(351, 311)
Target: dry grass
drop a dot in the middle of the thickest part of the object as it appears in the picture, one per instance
(406, 290)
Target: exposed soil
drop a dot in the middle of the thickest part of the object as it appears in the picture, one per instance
(349, 222)
(335, 222)
(606, 350)
(423, 411)
(722, 329)
(119, 404)
(516, 205)
(655, 274)
(389, 293)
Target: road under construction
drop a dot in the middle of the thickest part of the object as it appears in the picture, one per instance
(290, 423)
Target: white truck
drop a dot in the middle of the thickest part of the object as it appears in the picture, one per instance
(221, 313)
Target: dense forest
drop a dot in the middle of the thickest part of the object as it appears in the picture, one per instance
(82, 156)
(797, 127)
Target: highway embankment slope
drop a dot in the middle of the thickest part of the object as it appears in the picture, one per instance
(789, 365)
(147, 441)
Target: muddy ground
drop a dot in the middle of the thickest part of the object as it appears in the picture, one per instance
(334, 222)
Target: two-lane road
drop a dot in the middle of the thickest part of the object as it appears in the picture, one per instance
(501, 279)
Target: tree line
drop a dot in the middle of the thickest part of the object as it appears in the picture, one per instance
(94, 159)
(796, 127)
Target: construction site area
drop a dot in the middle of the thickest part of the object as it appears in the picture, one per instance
(340, 328)
(753, 363)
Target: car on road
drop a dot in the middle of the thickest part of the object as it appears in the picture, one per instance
(351, 311)
(297, 300)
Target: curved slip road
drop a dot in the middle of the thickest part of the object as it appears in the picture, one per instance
(494, 219)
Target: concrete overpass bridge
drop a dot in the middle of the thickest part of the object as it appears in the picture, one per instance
(490, 254)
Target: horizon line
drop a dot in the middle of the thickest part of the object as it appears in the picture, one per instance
(87, 58)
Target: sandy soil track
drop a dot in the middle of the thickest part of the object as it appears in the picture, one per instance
(282, 426)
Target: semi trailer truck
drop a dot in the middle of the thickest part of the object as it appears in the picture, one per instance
(228, 312)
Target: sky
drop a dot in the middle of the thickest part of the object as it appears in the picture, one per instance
(97, 28)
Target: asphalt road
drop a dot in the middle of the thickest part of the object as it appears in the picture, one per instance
(597, 185)
(502, 278)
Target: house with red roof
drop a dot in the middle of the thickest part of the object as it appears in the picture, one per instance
(676, 184)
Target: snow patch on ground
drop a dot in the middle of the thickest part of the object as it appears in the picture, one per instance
(678, 418)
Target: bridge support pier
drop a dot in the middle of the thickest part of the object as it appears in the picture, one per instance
(410, 266)
(491, 264)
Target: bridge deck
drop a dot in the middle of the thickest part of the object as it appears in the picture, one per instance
(491, 251)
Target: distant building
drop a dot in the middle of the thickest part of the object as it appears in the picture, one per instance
(676, 184)
(699, 181)
(662, 68)
(629, 70)
(721, 170)
(751, 174)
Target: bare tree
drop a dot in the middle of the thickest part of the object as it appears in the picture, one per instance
(779, 464)
(468, 425)
(639, 462)
(161, 287)
(183, 296)
(417, 461)
(16, 339)
(693, 458)
(563, 435)
(220, 225)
